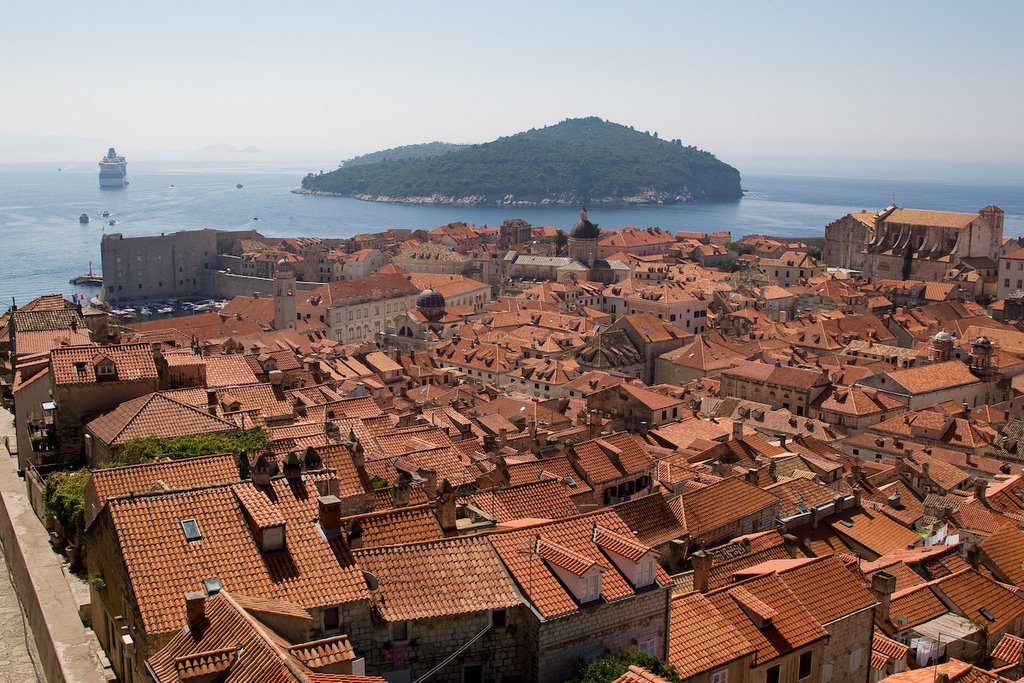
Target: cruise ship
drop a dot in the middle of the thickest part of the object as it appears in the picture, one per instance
(113, 170)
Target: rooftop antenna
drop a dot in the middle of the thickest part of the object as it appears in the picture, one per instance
(893, 199)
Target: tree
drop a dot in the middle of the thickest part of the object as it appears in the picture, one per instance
(740, 249)
(611, 666)
(814, 253)
(561, 241)
(64, 497)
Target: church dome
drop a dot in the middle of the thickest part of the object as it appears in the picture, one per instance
(430, 299)
(943, 336)
(584, 229)
(983, 342)
(285, 266)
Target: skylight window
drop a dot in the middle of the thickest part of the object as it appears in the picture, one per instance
(191, 529)
(989, 617)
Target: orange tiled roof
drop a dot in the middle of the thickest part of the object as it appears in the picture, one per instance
(162, 564)
(545, 499)
(437, 579)
(537, 581)
(1004, 550)
(638, 674)
(715, 507)
(411, 524)
(791, 625)
(155, 415)
(701, 638)
(71, 365)
(971, 592)
(915, 606)
(172, 474)
(1009, 649)
(874, 531)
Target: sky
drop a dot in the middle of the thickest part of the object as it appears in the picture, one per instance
(763, 82)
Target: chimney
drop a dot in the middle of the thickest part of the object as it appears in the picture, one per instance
(858, 473)
(430, 485)
(261, 469)
(856, 496)
(446, 507)
(354, 534)
(292, 466)
(883, 585)
(211, 401)
(195, 609)
(773, 470)
(329, 508)
(400, 491)
(752, 476)
(643, 428)
(926, 471)
(980, 490)
(360, 390)
(971, 553)
(737, 429)
(782, 441)
(702, 564)
(502, 437)
(791, 543)
(255, 295)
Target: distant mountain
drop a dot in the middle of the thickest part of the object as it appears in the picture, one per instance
(406, 153)
(225, 148)
(577, 160)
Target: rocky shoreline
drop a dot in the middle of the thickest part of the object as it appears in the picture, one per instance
(641, 198)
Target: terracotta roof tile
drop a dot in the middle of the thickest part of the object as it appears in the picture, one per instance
(546, 499)
(437, 579)
(1004, 551)
(155, 415)
(162, 564)
(172, 474)
(569, 542)
(711, 510)
(396, 526)
(701, 638)
(71, 365)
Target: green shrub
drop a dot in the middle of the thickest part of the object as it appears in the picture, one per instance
(611, 666)
(64, 495)
(149, 448)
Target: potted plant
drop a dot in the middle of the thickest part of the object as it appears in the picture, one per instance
(96, 581)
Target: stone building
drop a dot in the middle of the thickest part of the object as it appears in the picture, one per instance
(163, 266)
(285, 315)
(845, 239)
(913, 244)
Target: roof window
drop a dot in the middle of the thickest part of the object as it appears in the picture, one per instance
(191, 529)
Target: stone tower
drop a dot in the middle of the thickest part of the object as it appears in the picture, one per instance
(982, 358)
(940, 349)
(583, 240)
(284, 296)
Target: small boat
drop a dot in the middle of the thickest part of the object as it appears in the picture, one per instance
(106, 213)
(89, 278)
(145, 311)
(255, 218)
(84, 218)
(238, 186)
(165, 310)
(172, 185)
(112, 222)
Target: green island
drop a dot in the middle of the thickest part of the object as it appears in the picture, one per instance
(578, 160)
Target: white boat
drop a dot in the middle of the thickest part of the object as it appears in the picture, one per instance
(165, 310)
(145, 311)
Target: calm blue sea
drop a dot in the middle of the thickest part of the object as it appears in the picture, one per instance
(44, 246)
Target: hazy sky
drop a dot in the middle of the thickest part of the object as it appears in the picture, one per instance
(327, 80)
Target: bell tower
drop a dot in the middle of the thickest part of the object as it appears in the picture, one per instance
(284, 296)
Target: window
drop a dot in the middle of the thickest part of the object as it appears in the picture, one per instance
(592, 588)
(273, 538)
(854, 660)
(399, 631)
(720, 676)
(474, 673)
(645, 573)
(331, 621)
(826, 672)
(805, 665)
(772, 674)
(499, 618)
(647, 644)
(191, 529)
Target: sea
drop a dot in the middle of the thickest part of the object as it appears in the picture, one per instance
(43, 245)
